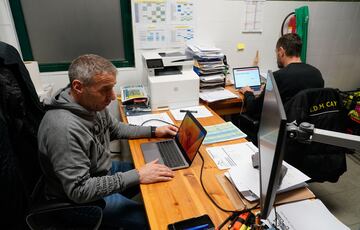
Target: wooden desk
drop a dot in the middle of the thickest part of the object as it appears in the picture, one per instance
(183, 197)
(228, 106)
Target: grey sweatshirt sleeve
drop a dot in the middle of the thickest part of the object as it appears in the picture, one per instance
(81, 188)
(119, 130)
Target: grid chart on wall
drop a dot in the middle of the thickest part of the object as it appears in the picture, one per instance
(163, 23)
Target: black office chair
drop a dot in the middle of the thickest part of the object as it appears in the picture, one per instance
(21, 181)
(248, 121)
(248, 125)
(323, 108)
(61, 214)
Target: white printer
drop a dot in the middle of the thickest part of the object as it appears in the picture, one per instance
(171, 80)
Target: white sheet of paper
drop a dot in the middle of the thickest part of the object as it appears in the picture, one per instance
(229, 156)
(245, 178)
(217, 95)
(138, 120)
(201, 111)
(306, 214)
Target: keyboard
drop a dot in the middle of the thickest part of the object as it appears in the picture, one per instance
(169, 153)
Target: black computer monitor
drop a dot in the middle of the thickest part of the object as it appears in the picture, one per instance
(271, 140)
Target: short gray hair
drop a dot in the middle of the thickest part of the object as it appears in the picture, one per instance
(86, 66)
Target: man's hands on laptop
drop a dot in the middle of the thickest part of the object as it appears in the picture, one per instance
(154, 172)
(245, 89)
(165, 131)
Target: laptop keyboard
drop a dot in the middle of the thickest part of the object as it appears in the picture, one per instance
(170, 154)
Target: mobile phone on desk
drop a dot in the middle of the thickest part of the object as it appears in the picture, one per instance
(196, 223)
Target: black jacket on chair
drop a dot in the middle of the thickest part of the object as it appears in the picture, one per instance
(20, 173)
(323, 108)
(20, 116)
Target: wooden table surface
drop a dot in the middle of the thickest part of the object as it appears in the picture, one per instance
(183, 197)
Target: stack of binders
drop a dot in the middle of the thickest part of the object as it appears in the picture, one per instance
(208, 65)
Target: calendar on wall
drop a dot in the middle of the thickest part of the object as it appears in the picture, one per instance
(163, 23)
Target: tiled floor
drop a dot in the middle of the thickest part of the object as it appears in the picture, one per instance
(343, 198)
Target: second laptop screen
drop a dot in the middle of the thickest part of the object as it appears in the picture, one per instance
(246, 77)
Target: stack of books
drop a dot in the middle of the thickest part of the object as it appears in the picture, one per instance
(135, 100)
(134, 94)
(208, 65)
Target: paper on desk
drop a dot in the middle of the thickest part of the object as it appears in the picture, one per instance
(306, 214)
(139, 120)
(222, 132)
(243, 175)
(201, 111)
(227, 156)
(217, 95)
(246, 178)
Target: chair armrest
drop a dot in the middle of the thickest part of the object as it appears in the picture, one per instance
(248, 119)
(69, 217)
(57, 204)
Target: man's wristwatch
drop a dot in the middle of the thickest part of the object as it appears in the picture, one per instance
(153, 130)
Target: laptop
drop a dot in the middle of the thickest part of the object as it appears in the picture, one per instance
(179, 152)
(247, 76)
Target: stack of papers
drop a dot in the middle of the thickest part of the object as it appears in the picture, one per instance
(209, 65)
(246, 179)
(197, 111)
(306, 214)
(204, 52)
(244, 176)
(222, 132)
(216, 95)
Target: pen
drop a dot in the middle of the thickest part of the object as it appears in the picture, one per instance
(190, 111)
(199, 227)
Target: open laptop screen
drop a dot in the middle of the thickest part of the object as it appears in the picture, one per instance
(246, 76)
(190, 136)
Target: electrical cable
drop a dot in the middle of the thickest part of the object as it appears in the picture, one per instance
(158, 120)
(208, 195)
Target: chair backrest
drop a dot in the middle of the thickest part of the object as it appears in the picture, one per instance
(323, 108)
(20, 116)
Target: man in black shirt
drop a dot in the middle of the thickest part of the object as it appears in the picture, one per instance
(292, 77)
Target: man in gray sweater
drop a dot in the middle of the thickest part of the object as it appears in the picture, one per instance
(74, 139)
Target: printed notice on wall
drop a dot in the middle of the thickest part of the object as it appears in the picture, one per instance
(253, 16)
(150, 12)
(163, 23)
(152, 36)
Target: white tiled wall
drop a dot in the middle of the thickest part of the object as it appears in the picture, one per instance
(333, 38)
